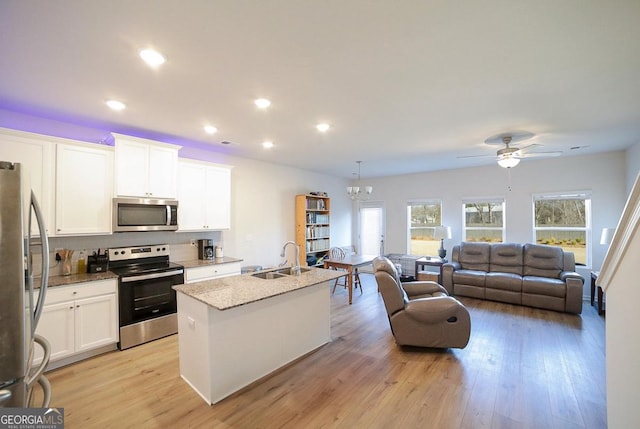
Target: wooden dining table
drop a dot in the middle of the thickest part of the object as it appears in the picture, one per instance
(349, 263)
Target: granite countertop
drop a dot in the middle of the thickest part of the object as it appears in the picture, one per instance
(192, 263)
(75, 278)
(229, 292)
(90, 277)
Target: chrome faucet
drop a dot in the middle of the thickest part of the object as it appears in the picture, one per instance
(295, 268)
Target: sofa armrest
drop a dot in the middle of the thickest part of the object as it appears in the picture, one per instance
(564, 275)
(414, 289)
(573, 300)
(433, 310)
(447, 275)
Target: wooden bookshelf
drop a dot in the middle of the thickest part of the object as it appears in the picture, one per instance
(313, 227)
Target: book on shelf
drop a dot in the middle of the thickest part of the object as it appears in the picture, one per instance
(317, 245)
(317, 218)
(317, 231)
(316, 204)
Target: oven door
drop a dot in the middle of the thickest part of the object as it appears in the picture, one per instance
(147, 296)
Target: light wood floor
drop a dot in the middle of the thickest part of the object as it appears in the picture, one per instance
(523, 368)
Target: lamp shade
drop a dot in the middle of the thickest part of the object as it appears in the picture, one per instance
(442, 232)
(607, 235)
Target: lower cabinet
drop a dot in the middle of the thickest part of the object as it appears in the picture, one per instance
(208, 272)
(79, 318)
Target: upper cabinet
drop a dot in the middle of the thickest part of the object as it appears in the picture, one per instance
(145, 168)
(84, 188)
(204, 196)
(34, 153)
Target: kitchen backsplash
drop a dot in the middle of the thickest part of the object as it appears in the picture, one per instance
(181, 247)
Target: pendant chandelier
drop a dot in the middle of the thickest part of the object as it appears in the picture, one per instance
(359, 193)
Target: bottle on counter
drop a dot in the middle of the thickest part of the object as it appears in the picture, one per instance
(82, 262)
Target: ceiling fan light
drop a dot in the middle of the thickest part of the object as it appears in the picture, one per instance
(508, 162)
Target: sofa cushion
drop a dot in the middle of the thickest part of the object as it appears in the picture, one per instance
(544, 286)
(469, 277)
(506, 258)
(543, 261)
(474, 256)
(504, 281)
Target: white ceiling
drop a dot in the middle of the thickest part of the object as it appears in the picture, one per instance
(407, 86)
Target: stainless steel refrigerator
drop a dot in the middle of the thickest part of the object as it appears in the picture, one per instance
(20, 303)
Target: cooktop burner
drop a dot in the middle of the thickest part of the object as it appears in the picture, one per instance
(130, 261)
(145, 268)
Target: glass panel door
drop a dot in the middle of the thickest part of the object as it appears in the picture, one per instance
(372, 228)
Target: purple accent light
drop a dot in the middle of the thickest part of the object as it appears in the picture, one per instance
(90, 131)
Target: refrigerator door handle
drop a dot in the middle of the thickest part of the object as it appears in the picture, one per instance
(45, 260)
(46, 390)
(37, 373)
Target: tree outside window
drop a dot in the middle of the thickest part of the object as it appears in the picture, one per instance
(564, 221)
(484, 221)
(423, 218)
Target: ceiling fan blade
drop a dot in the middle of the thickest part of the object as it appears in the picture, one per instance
(538, 154)
(476, 156)
(527, 147)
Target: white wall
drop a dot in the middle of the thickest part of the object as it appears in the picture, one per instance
(632, 165)
(602, 174)
(263, 206)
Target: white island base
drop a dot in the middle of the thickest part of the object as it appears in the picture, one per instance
(224, 351)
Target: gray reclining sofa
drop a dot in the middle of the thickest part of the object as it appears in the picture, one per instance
(526, 274)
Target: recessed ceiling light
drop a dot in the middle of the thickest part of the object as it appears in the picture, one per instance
(115, 104)
(210, 129)
(323, 128)
(267, 144)
(262, 103)
(152, 57)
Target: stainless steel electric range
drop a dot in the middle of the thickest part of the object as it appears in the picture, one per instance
(146, 300)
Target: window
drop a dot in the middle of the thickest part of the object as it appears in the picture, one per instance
(564, 220)
(422, 218)
(484, 220)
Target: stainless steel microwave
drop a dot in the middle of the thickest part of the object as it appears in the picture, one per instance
(144, 214)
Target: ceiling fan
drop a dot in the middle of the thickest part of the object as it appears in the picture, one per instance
(510, 156)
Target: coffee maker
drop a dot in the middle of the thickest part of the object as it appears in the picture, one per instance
(206, 249)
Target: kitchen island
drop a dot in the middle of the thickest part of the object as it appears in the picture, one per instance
(235, 330)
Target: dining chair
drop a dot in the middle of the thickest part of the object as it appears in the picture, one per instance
(340, 253)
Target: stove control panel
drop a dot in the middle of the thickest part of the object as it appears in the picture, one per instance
(137, 252)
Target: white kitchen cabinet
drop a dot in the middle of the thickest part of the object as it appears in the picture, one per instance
(204, 195)
(78, 318)
(145, 168)
(84, 189)
(35, 154)
(213, 271)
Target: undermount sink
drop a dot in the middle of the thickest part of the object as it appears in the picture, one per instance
(279, 273)
(287, 270)
(269, 275)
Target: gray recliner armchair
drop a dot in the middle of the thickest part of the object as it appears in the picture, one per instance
(421, 313)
